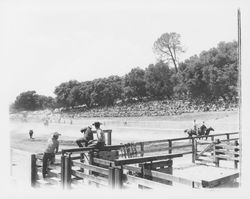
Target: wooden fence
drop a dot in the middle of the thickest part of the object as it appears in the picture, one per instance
(215, 151)
(106, 168)
(120, 173)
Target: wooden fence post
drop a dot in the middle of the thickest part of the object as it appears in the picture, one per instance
(62, 171)
(228, 136)
(33, 170)
(109, 138)
(212, 138)
(170, 146)
(118, 177)
(91, 156)
(235, 155)
(193, 150)
(67, 174)
(216, 159)
(111, 177)
(142, 149)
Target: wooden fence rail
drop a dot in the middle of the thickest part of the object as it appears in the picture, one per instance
(219, 150)
(111, 172)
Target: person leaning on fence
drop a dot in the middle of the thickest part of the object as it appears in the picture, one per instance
(88, 136)
(50, 151)
(100, 136)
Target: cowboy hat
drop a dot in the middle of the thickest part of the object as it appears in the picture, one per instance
(56, 134)
(96, 123)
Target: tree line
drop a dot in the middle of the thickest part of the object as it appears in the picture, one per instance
(210, 76)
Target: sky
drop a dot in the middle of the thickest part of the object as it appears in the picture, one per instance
(45, 43)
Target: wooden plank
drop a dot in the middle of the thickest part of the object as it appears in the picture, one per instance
(132, 168)
(205, 150)
(75, 157)
(187, 138)
(231, 139)
(227, 146)
(225, 157)
(148, 151)
(86, 149)
(145, 182)
(164, 148)
(219, 181)
(203, 142)
(53, 180)
(39, 156)
(102, 162)
(157, 165)
(187, 152)
(205, 155)
(152, 150)
(164, 163)
(96, 179)
(172, 178)
(54, 173)
(227, 152)
(145, 159)
(51, 173)
(91, 167)
(205, 160)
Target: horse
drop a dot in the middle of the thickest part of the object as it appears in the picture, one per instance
(190, 132)
(208, 131)
(201, 131)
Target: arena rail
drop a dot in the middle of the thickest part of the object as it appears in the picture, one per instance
(111, 173)
(215, 151)
(105, 172)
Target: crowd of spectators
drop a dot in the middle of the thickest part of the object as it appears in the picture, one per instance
(135, 109)
(156, 108)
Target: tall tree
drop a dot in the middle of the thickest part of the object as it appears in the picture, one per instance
(106, 91)
(158, 80)
(168, 47)
(134, 83)
(64, 95)
(27, 101)
(211, 75)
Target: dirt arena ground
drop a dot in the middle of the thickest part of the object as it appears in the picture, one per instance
(136, 129)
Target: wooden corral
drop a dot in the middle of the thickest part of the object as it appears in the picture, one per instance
(143, 164)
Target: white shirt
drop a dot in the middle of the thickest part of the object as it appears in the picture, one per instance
(100, 135)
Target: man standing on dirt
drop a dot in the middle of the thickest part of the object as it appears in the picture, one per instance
(50, 151)
(88, 136)
(31, 133)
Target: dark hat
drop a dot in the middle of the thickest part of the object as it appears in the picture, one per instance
(56, 134)
(96, 123)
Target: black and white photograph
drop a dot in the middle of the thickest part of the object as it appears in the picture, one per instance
(124, 95)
